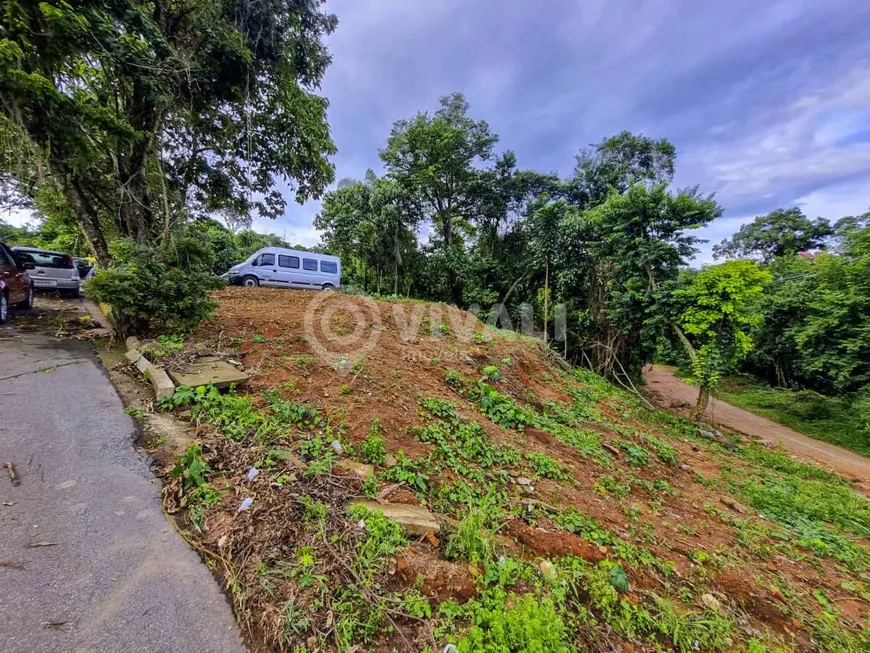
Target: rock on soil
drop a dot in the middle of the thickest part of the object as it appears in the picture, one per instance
(734, 505)
(416, 520)
(353, 468)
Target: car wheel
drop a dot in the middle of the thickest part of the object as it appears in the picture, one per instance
(4, 308)
(27, 304)
(328, 287)
(250, 281)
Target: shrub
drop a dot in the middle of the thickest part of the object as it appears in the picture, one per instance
(154, 291)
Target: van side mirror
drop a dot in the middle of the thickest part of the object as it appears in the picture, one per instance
(256, 262)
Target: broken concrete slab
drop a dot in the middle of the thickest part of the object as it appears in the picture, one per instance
(416, 520)
(209, 369)
(163, 387)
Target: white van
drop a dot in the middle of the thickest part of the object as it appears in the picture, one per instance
(288, 268)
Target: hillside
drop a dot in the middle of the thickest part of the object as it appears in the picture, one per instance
(571, 517)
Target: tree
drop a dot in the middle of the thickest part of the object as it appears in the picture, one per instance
(433, 159)
(617, 163)
(614, 259)
(543, 230)
(714, 320)
(370, 224)
(138, 114)
(779, 233)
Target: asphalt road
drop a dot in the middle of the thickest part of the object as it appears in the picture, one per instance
(115, 577)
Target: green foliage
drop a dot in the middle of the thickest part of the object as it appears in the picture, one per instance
(546, 466)
(192, 468)
(374, 451)
(636, 455)
(154, 292)
(473, 539)
(411, 472)
(163, 346)
(134, 118)
(512, 622)
(238, 418)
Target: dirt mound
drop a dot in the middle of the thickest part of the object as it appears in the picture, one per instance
(504, 443)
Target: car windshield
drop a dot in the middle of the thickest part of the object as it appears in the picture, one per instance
(49, 259)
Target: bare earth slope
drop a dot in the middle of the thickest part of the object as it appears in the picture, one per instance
(570, 516)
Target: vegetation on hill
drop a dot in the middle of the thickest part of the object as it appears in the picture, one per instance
(572, 516)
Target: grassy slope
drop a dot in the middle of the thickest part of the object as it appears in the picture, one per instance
(828, 419)
(573, 518)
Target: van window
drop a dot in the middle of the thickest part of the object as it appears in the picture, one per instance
(330, 267)
(288, 261)
(309, 264)
(267, 259)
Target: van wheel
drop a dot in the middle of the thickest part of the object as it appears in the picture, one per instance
(328, 287)
(250, 281)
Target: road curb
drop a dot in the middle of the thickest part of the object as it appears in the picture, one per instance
(163, 386)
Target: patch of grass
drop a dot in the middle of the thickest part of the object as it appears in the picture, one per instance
(635, 454)
(374, 450)
(546, 466)
(810, 504)
(515, 622)
(473, 540)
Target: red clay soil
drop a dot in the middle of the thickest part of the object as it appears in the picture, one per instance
(440, 579)
(303, 345)
(552, 544)
(669, 391)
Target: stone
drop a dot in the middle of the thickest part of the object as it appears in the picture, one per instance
(522, 480)
(710, 602)
(734, 505)
(208, 370)
(390, 461)
(360, 470)
(416, 520)
(548, 570)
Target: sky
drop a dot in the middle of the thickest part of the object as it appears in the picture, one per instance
(768, 103)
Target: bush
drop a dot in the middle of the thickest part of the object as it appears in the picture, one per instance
(154, 291)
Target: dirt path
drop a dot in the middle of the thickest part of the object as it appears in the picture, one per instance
(671, 391)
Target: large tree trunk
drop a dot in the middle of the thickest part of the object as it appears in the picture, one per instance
(87, 218)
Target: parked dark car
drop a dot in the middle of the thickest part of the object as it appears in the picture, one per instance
(16, 287)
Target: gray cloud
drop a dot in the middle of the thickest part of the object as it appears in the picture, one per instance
(767, 103)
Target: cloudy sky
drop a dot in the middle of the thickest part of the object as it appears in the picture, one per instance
(768, 103)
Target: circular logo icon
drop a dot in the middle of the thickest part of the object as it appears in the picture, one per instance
(342, 329)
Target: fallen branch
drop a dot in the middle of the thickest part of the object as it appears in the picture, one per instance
(13, 475)
(13, 565)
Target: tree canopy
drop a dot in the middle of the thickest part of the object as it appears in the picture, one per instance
(779, 233)
(134, 115)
